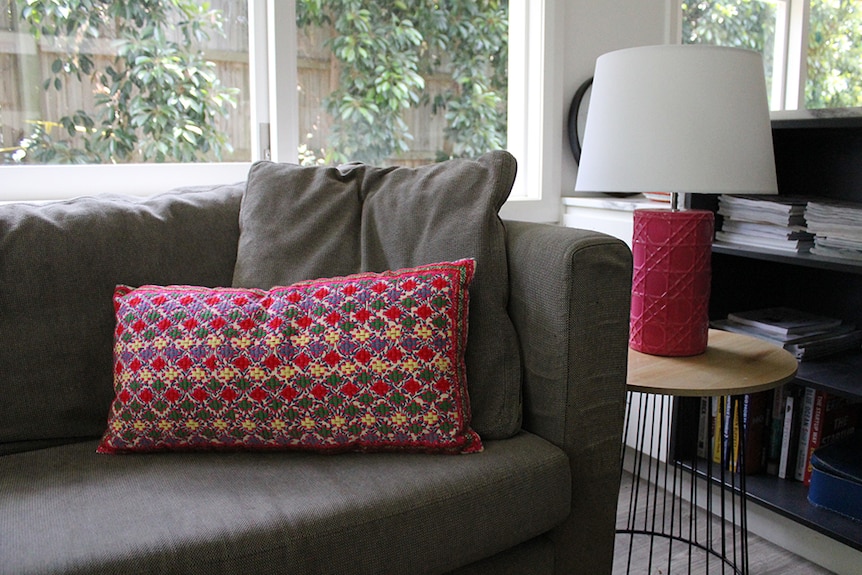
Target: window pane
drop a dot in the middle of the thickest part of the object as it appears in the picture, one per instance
(748, 24)
(129, 81)
(834, 54)
(401, 82)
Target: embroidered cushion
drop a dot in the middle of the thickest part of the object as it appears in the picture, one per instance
(300, 222)
(364, 362)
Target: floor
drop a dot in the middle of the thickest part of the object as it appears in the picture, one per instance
(764, 557)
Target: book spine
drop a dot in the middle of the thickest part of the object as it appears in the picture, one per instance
(703, 428)
(776, 429)
(804, 433)
(786, 434)
(816, 432)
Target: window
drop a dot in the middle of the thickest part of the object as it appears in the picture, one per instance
(268, 49)
(812, 49)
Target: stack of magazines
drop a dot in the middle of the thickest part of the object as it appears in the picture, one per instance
(805, 335)
(772, 222)
(837, 227)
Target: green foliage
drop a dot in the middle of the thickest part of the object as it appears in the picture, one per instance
(835, 55)
(157, 100)
(387, 48)
(834, 75)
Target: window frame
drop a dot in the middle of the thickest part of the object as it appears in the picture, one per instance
(535, 102)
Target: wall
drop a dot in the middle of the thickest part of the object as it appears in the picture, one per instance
(594, 27)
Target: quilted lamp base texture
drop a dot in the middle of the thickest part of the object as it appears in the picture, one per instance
(671, 281)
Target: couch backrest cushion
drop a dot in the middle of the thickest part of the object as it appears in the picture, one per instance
(59, 265)
(299, 223)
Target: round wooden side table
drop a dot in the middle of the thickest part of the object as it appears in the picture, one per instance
(667, 501)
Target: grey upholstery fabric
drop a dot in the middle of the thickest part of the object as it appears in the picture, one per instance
(60, 263)
(302, 223)
(69, 510)
(571, 291)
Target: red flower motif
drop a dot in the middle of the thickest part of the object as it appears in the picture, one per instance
(321, 293)
(393, 313)
(240, 301)
(173, 395)
(440, 283)
(190, 324)
(319, 391)
(139, 326)
(258, 394)
(426, 354)
(124, 396)
(424, 311)
(333, 318)
(302, 361)
(411, 386)
(349, 389)
(379, 287)
(241, 363)
(145, 395)
(272, 362)
(332, 358)
(136, 365)
(288, 394)
(443, 385)
(164, 324)
(304, 321)
(200, 394)
(394, 355)
(380, 388)
(158, 364)
(276, 323)
(362, 356)
(186, 300)
(228, 394)
(184, 363)
(247, 324)
(362, 315)
(218, 323)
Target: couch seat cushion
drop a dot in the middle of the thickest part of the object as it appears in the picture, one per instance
(68, 510)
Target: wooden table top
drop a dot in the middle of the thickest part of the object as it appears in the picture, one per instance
(733, 364)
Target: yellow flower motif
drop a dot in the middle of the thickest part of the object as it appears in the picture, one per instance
(192, 424)
(410, 364)
(300, 340)
(249, 425)
(338, 421)
(361, 334)
(424, 332)
(442, 363)
(171, 374)
(368, 419)
(430, 418)
(139, 425)
(308, 423)
(287, 372)
(198, 374)
(399, 419)
(278, 425)
(165, 425)
(136, 345)
(378, 366)
(317, 370)
(332, 337)
(185, 342)
(160, 343)
(118, 425)
(125, 377)
(257, 373)
(241, 342)
(145, 375)
(220, 424)
(227, 374)
(273, 340)
(214, 340)
(348, 368)
(394, 332)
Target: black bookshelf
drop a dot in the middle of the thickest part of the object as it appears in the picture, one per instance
(814, 157)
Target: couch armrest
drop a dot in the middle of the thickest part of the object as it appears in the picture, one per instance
(569, 300)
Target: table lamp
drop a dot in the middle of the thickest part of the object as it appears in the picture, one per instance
(676, 119)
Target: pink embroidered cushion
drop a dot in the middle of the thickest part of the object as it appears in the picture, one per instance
(367, 362)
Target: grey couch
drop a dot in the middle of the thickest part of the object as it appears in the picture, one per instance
(540, 498)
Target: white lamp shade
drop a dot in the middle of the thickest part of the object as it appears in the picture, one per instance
(678, 118)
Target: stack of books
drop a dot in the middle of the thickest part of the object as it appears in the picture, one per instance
(837, 227)
(805, 335)
(772, 222)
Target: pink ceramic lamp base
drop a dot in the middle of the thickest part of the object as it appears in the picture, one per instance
(671, 281)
